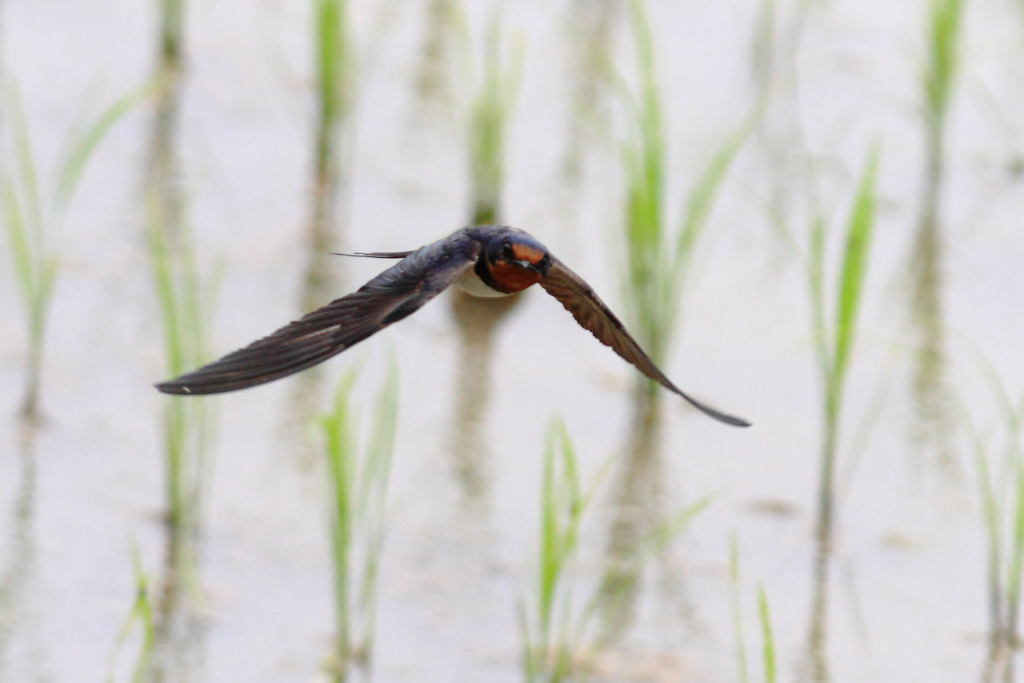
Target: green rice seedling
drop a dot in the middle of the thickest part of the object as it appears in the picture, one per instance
(558, 640)
(358, 492)
(33, 220)
(1001, 495)
(767, 636)
(658, 258)
(931, 396)
(188, 430)
(184, 301)
(834, 334)
(763, 617)
(490, 109)
(944, 26)
(335, 68)
(140, 618)
(549, 643)
(185, 304)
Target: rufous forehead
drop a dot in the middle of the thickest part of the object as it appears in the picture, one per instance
(523, 252)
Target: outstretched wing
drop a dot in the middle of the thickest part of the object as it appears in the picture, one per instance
(387, 298)
(593, 314)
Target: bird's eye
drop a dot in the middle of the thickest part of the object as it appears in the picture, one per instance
(506, 251)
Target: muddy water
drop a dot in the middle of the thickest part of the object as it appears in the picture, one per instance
(908, 597)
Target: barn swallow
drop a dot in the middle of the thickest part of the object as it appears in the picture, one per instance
(487, 260)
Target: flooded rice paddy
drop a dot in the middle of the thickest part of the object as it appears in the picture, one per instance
(911, 593)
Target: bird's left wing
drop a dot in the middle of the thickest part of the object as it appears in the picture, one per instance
(387, 298)
(593, 314)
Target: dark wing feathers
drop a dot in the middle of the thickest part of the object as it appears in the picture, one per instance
(591, 313)
(387, 298)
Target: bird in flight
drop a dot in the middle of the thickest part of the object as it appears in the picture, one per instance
(486, 260)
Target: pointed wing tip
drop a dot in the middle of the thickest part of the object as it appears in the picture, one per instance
(736, 421)
(173, 387)
(724, 418)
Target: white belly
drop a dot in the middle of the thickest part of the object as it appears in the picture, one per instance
(470, 283)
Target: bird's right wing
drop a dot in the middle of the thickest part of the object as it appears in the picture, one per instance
(593, 314)
(387, 298)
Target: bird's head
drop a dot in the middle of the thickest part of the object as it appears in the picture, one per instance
(515, 260)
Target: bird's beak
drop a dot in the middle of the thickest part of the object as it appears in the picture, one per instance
(527, 265)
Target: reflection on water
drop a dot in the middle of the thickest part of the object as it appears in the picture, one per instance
(933, 429)
(817, 639)
(432, 82)
(638, 505)
(999, 664)
(930, 393)
(163, 170)
(178, 633)
(477, 318)
(592, 25)
(476, 321)
(19, 547)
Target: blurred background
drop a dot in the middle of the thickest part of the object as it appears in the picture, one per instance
(807, 212)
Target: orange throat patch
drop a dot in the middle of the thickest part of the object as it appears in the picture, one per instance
(512, 278)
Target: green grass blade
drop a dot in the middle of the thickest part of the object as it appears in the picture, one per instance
(80, 146)
(376, 472)
(28, 180)
(768, 650)
(945, 19)
(816, 282)
(550, 565)
(332, 57)
(701, 199)
(21, 251)
(163, 279)
(855, 261)
(489, 113)
(737, 613)
(339, 451)
(141, 613)
(643, 160)
(646, 230)
(990, 518)
(1016, 568)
